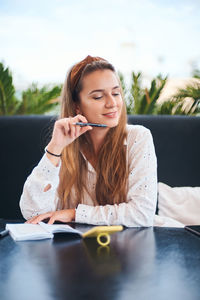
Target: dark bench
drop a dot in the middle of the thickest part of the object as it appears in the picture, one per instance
(23, 138)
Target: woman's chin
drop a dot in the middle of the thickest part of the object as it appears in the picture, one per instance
(112, 124)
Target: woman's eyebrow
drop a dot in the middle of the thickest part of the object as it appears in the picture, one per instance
(101, 90)
(94, 91)
(116, 87)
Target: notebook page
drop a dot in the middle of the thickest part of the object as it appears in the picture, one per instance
(59, 228)
(27, 231)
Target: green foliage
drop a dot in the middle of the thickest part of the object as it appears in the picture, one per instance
(7, 91)
(143, 100)
(196, 73)
(138, 100)
(136, 93)
(191, 91)
(129, 101)
(38, 101)
(169, 108)
(34, 100)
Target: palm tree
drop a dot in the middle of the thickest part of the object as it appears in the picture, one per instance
(170, 107)
(34, 100)
(126, 93)
(39, 100)
(142, 100)
(7, 91)
(145, 101)
(191, 91)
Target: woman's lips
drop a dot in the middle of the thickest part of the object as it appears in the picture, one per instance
(111, 114)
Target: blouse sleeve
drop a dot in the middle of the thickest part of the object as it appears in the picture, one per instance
(34, 200)
(139, 210)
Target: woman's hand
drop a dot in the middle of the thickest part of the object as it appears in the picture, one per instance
(64, 133)
(65, 215)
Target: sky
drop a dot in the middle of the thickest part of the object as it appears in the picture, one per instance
(41, 39)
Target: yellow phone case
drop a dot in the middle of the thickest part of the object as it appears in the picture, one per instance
(95, 231)
(102, 233)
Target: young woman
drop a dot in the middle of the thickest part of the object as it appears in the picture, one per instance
(95, 175)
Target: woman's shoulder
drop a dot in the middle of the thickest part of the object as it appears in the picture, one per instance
(133, 130)
(136, 133)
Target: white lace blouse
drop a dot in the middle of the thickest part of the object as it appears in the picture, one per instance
(139, 210)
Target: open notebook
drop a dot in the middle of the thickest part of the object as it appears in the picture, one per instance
(23, 232)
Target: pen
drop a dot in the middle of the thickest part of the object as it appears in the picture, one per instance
(4, 233)
(89, 124)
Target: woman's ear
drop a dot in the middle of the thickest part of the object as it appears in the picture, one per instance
(77, 109)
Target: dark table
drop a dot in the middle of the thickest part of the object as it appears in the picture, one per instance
(139, 263)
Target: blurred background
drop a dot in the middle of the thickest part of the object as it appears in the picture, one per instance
(154, 45)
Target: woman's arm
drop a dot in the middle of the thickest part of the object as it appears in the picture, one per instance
(40, 189)
(142, 188)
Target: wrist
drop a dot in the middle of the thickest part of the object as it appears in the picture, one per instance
(52, 154)
(54, 148)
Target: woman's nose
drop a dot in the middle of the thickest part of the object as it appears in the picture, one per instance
(110, 101)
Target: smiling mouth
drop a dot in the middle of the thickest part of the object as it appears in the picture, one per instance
(113, 113)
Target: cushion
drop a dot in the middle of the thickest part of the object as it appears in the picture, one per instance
(179, 203)
(160, 221)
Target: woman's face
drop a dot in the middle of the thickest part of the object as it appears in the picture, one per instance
(100, 98)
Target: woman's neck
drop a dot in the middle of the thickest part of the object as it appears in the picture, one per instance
(97, 139)
(97, 136)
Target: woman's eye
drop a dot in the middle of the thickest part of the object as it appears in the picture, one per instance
(116, 94)
(97, 98)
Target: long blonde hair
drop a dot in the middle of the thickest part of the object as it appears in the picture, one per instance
(111, 168)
